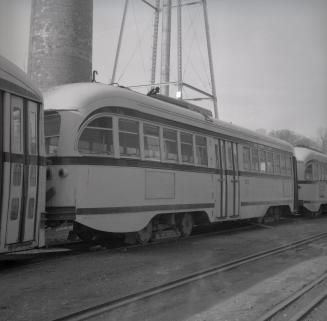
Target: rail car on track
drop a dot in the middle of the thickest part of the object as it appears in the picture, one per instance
(22, 162)
(312, 180)
(131, 164)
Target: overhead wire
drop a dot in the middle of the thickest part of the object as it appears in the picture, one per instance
(134, 51)
(195, 38)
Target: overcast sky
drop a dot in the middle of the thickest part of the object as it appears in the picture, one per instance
(270, 56)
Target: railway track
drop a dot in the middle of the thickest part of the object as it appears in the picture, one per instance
(317, 293)
(108, 306)
(77, 248)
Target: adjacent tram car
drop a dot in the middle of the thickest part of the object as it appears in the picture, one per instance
(137, 165)
(312, 180)
(22, 162)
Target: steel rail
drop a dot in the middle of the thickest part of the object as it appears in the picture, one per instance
(123, 301)
(307, 309)
(281, 306)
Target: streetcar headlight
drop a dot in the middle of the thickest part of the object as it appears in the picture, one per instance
(63, 172)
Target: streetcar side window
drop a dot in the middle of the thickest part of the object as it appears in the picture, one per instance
(277, 164)
(16, 142)
(51, 131)
(288, 166)
(262, 160)
(283, 164)
(246, 158)
(32, 128)
(187, 147)
(170, 144)
(255, 159)
(129, 138)
(151, 139)
(308, 173)
(201, 150)
(270, 163)
(97, 137)
(315, 171)
(229, 154)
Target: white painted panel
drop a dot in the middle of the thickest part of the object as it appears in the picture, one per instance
(159, 184)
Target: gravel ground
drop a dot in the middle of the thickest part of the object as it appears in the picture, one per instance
(55, 287)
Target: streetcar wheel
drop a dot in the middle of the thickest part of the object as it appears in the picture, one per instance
(144, 236)
(185, 225)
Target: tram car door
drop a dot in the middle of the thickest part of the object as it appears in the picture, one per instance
(22, 170)
(229, 155)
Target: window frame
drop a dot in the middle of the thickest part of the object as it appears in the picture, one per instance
(244, 149)
(164, 159)
(197, 163)
(180, 133)
(143, 140)
(86, 125)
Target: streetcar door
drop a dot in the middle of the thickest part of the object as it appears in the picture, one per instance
(1, 157)
(31, 170)
(224, 195)
(14, 219)
(219, 182)
(236, 181)
(232, 179)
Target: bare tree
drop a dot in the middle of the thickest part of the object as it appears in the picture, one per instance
(322, 138)
(294, 138)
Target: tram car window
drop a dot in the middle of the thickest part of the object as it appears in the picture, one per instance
(170, 144)
(255, 159)
(201, 150)
(51, 132)
(246, 158)
(187, 150)
(97, 137)
(151, 136)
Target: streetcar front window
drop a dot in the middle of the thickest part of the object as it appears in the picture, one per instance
(51, 132)
(97, 137)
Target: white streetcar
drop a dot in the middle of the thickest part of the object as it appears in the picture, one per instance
(312, 180)
(138, 165)
(22, 162)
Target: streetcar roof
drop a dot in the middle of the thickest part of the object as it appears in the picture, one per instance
(87, 97)
(304, 154)
(15, 81)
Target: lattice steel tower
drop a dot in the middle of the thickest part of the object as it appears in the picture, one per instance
(163, 9)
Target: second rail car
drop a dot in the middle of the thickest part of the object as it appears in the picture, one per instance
(123, 162)
(312, 180)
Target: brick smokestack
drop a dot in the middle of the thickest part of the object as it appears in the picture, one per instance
(60, 48)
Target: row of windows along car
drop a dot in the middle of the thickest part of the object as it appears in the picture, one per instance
(150, 141)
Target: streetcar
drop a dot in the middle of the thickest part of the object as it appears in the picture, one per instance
(22, 161)
(312, 180)
(139, 166)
